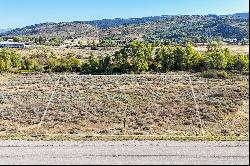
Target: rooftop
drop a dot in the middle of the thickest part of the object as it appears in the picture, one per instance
(7, 42)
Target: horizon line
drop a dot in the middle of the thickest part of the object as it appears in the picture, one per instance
(123, 18)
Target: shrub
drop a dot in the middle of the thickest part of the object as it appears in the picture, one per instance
(53, 64)
(69, 64)
(5, 63)
(164, 59)
(16, 60)
(241, 62)
(55, 41)
(31, 64)
(216, 60)
(214, 74)
(9, 59)
(222, 74)
(75, 64)
(231, 60)
(105, 65)
(93, 64)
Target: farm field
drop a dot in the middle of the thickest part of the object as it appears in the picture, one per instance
(123, 105)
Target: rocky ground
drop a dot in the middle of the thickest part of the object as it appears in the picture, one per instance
(123, 105)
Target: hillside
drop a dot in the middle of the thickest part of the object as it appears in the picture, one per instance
(197, 28)
(242, 15)
(52, 29)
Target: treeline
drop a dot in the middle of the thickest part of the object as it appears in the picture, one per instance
(137, 57)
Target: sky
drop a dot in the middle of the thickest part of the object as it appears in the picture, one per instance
(20, 13)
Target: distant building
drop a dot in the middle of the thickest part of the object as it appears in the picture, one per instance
(7, 44)
(230, 41)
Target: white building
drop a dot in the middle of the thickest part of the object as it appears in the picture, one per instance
(7, 44)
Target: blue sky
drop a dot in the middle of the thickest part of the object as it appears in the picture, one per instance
(19, 13)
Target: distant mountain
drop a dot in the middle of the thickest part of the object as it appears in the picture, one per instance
(242, 15)
(4, 30)
(196, 28)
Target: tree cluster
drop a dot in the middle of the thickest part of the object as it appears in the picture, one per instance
(136, 57)
(139, 57)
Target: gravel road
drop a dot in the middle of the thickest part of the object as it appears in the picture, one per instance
(124, 152)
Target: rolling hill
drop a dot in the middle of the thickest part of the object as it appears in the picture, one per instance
(167, 27)
(242, 15)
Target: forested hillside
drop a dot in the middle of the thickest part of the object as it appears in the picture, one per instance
(195, 28)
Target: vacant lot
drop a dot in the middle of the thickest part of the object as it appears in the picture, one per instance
(123, 105)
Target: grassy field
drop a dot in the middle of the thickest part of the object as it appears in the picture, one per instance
(235, 49)
(85, 53)
(63, 51)
(123, 107)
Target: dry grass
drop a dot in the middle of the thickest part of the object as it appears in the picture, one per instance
(235, 49)
(84, 54)
(124, 105)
